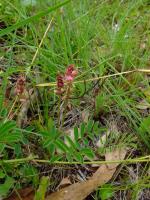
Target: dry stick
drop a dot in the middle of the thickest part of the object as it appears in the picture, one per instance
(36, 53)
(100, 77)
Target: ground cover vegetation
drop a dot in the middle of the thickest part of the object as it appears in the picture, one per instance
(74, 99)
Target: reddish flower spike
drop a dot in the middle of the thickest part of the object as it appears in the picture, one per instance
(20, 85)
(60, 84)
(74, 73)
(71, 73)
(70, 69)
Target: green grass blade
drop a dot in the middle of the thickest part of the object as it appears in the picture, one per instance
(32, 18)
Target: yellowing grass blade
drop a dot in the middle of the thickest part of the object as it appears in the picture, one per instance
(98, 78)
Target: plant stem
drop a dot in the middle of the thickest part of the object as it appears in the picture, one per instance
(33, 159)
(66, 97)
(147, 71)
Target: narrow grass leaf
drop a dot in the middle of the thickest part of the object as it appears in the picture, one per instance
(32, 18)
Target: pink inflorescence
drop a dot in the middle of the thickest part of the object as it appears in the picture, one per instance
(71, 73)
(60, 84)
(20, 85)
(68, 77)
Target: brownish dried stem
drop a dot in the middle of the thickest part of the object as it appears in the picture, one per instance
(24, 109)
(66, 98)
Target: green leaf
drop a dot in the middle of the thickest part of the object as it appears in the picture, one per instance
(5, 127)
(82, 130)
(61, 145)
(89, 126)
(144, 131)
(76, 134)
(53, 132)
(99, 102)
(2, 175)
(3, 111)
(96, 128)
(55, 158)
(8, 133)
(6, 186)
(86, 142)
(17, 150)
(30, 173)
(145, 125)
(41, 192)
(87, 152)
(51, 149)
(50, 124)
(39, 126)
(9, 138)
(69, 157)
(106, 192)
(72, 145)
(2, 147)
(78, 157)
(32, 18)
(25, 140)
(47, 142)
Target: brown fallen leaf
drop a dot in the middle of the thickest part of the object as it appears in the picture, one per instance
(64, 182)
(85, 116)
(23, 194)
(116, 155)
(80, 191)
